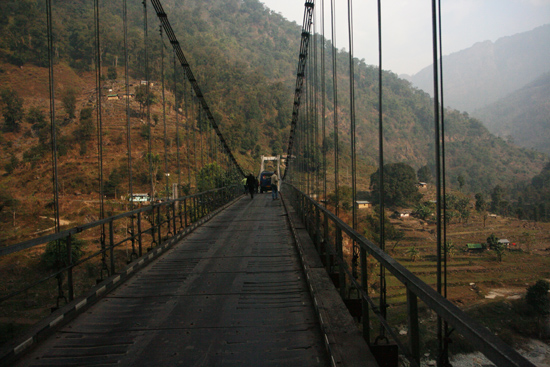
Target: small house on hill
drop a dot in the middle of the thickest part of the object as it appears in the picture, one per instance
(363, 204)
(112, 97)
(405, 213)
(504, 242)
(422, 185)
(475, 247)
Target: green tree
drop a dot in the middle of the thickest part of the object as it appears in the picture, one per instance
(498, 247)
(12, 109)
(144, 99)
(400, 187)
(461, 182)
(68, 98)
(372, 228)
(113, 183)
(481, 204)
(210, 177)
(425, 174)
(6, 199)
(55, 256)
(153, 162)
(450, 248)
(528, 239)
(537, 299)
(423, 211)
(12, 164)
(111, 73)
(496, 198)
(413, 253)
(492, 241)
(499, 251)
(85, 130)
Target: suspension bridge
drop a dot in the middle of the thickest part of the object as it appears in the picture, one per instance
(214, 277)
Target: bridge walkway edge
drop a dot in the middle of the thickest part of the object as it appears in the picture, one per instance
(343, 340)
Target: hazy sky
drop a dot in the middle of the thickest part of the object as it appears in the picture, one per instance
(406, 26)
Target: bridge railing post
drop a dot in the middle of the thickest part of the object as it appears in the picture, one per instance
(326, 242)
(159, 225)
(194, 210)
(317, 239)
(185, 212)
(414, 330)
(341, 270)
(365, 317)
(70, 284)
(112, 246)
(140, 249)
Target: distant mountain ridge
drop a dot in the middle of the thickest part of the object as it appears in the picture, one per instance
(487, 71)
(245, 57)
(523, 115)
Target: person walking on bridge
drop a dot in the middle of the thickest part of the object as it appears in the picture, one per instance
(274, 186)
(251, 183)
(245, 187)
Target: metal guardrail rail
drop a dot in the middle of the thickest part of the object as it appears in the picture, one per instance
(327, 232)
(157, 223)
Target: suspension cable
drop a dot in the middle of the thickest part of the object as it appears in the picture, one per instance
(55, 180)
(323, 100)
(352, 115)
(316, 107)
(128, 125)
(443, 168)
(335, 106)
(164, 110)
(148, 104)
(187, 144)
(194, 139)
(382, 217)
(445, 330)
(100, 136)
(176, 109)
(99, 119)
(127, 85)
(60, 294)
(443, 358)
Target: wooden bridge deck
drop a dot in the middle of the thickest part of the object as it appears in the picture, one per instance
(232, 293)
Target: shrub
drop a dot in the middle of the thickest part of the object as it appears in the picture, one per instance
(55, 255)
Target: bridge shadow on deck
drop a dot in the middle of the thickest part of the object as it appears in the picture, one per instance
(231, 293)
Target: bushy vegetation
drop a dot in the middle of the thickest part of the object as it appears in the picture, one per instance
(400, 185)
(55, 256)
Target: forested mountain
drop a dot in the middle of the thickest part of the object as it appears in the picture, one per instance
(487, 71)
(244, 57)
(522, 117)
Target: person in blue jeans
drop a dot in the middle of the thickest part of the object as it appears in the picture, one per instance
(274, 186)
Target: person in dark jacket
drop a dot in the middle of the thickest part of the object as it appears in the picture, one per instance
(251, 183)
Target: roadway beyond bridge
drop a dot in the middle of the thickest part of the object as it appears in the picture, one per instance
(231, 293)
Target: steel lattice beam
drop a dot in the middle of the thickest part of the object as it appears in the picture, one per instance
(304, 49)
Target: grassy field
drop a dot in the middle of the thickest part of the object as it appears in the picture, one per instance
(488, 290)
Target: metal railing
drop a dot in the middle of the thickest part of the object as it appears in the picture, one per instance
(150, 227)
(327, 232)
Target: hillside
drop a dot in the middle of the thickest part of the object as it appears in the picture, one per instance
(244, 57)
(523, 116)
(487, 71)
